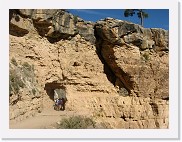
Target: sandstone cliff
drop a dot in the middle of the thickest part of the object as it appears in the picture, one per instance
(112, 70)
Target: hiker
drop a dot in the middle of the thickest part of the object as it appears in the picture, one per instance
(60, 104)
(56, 105)
(59, 99)
(63, 102)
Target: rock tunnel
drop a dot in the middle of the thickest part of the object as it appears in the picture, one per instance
(48, 99)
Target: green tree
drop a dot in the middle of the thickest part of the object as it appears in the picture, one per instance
(140, 12)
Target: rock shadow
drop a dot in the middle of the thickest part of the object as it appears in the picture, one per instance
(107, 70)
(50, 87)
(14, 29)
(17, 31)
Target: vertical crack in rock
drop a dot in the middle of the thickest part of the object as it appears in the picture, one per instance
(58, 52)
(107, 70)
(106, 54)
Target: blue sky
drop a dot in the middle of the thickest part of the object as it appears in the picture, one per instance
(158, 18)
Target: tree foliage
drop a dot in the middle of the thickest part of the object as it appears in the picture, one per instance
(140, 13)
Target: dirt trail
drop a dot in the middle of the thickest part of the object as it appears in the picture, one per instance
(43, 120)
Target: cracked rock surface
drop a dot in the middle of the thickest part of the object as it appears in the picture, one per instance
(113, 71)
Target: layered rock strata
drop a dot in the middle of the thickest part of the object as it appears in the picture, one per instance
(112, 70)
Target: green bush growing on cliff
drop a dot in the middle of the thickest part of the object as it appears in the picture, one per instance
(28, 72)
(76, 122)
(146, 56)
(19, 76)
(27, 66)
(15, 82)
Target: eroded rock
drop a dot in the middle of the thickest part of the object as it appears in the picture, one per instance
(134, 62)
(112, 70)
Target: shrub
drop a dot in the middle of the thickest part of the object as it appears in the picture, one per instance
(27, 66)
(13, 61)
(28, 71)
(123, 92)
(20, 77)
(15, 82)
(76, 122)
(104, 125)
(27, 74)
(146, 56)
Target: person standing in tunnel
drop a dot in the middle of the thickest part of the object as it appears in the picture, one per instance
(60, 98)
(64, 100)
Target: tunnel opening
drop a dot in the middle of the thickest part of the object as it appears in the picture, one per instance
(51, 89)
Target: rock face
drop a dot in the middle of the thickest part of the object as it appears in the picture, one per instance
(54, 24)
(24, 91)
(112, 70)
(137, 56)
